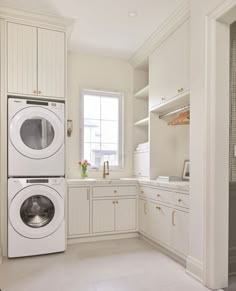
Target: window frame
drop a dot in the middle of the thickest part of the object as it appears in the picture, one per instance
(106, 93)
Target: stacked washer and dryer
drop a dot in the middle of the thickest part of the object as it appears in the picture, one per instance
(36, 177)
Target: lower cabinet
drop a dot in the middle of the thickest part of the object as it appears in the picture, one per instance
(110, 215)
(155, 220)
(103, 215)
(78, 211)
(180, 231)
(164, 224)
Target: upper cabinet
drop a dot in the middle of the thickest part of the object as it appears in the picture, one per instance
(169, 67)
(36, 61)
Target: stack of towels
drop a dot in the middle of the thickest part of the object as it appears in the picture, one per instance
(143, 147)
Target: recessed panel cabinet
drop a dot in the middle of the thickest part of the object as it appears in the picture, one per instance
(169, 67)
(163, 221)
(35, 61)
(180, 231)
(114, 215)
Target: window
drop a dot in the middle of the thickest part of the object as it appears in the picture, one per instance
(102, 128)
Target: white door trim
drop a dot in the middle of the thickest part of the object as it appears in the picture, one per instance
(216, 191)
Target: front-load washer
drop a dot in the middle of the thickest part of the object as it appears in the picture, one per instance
(35, 138)
(36, 223)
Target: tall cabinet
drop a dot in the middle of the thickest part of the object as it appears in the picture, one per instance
(168, 92)
(35, 61)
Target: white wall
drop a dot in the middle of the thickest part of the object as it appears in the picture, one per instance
(92, 72)
(199, 10)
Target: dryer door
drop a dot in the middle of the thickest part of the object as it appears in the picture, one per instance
(36, 132)
(36, 211)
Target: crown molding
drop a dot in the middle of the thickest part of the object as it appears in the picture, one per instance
(178, 17)
(10, 13)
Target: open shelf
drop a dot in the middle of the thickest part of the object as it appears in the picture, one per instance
(142, 122)
(143, 93)
(172, 103)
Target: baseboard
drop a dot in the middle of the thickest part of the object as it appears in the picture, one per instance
(101, 238)
(179, 259)
(194, 268)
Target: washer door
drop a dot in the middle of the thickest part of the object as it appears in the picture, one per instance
(36, 211)
(36, 132)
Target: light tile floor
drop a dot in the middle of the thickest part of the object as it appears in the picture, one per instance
(118, 265)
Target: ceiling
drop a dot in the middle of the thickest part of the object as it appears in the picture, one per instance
(103, 27)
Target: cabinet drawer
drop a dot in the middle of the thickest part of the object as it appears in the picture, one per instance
(114, 191)
(156, 194)
(181, 200)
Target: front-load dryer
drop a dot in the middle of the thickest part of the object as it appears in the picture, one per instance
(35, 216)
(35, 138)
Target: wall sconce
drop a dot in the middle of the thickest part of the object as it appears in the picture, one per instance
(69, 127)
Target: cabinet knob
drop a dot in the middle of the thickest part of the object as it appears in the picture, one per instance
(35, 91)
(115, 191)
(40, 92)
(117, 202)
(142, 192)
(163, 98)
(113, 202)
(180, 90)
(180, 200)
(158, 207)
(158, 195)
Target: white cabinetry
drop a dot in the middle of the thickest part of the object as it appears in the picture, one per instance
(22, 59)
(180, 231)
(51, 63)
(36, 61)
(101, 209)
(126, 214)
(169, 67)
(103, 215)
(118, 212)
(78, 211)
(114, 215)
(163, 221)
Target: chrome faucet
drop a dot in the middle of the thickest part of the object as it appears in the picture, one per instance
(105, 171)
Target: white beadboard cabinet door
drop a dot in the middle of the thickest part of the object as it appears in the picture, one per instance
(78, 211)
(103, 216)
(21, 59)
(125, 214)
(51, 63)
(180, 231)
(169, 67)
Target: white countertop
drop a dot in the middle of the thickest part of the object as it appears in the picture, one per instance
(181, 185)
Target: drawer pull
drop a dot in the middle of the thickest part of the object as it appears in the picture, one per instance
(158, 207)
(145, 208)
(173, 217)
(115, 191)
(158, 195)
(40, 92)
(35, 91)
(113, 202)
(180, 200)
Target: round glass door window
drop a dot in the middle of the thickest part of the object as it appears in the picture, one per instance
(37, 133)
(37, 211)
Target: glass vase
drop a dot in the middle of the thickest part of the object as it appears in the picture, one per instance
(84, 173)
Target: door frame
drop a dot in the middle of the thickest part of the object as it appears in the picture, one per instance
(216, 184)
